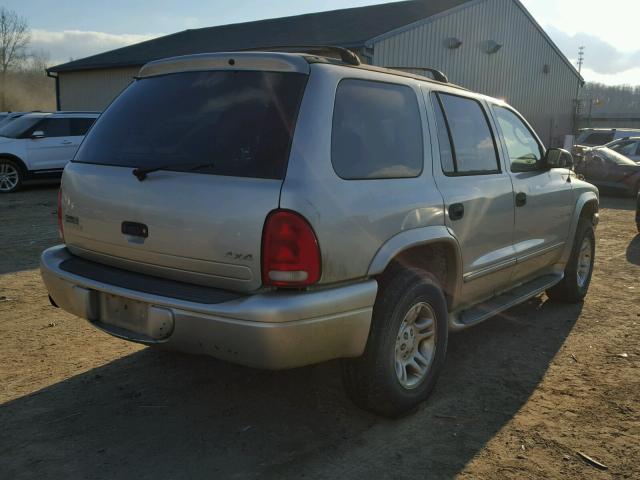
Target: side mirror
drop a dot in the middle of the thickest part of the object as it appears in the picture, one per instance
(558, 158)
(37, 134)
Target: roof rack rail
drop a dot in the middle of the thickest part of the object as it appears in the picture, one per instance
(437, 75)
(346, 55)
(75, 112)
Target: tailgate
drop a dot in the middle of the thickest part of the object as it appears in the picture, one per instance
(203, 229)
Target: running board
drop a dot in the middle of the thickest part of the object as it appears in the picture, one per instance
(495, 305)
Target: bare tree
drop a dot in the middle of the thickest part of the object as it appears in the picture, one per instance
(14, 39)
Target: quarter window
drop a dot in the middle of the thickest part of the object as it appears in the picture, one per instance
(377, 131)
(469, 141)
(524, 151)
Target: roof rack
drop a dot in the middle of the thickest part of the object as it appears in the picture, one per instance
(437, 74)
(346, 55)
(77, 112)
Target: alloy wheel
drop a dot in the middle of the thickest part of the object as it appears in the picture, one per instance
(415, 345)
(9, 177)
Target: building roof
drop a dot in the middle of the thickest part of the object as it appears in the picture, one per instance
(350, 27)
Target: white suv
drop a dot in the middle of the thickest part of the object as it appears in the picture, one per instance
(39, 145)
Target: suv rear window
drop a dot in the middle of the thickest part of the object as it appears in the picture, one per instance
(594, 139)
(239, 123)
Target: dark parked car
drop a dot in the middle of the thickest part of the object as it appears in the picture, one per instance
(610, 170)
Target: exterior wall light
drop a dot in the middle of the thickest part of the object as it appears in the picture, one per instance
(453, 43)
(546, 69)
(492, 47)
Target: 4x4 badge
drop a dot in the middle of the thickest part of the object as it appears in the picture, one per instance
(239, 256)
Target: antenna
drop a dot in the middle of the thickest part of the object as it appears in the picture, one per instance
(580, 58)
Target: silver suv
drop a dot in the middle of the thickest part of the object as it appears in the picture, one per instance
(278, 210)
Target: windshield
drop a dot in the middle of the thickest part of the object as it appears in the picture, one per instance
(239, 121)
(17, 128)
(615, 156)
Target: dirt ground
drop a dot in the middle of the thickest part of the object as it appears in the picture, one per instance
(520, 396)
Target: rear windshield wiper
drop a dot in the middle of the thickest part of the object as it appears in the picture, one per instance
(141, 173)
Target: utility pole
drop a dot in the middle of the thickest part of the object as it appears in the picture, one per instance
(578, 105)
(580, 59)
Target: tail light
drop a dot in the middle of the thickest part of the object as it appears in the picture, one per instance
(290, 251)
(60, 227)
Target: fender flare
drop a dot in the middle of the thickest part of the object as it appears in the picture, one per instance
(418, 237)
(583, 199)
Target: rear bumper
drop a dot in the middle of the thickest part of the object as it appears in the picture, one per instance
(274, 330)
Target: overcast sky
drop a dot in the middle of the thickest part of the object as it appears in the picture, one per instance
(76, 29)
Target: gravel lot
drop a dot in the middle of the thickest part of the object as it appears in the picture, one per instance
(521, 394)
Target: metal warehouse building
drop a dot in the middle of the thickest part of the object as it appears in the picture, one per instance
(490, 46)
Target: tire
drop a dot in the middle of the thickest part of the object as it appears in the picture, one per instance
(11, 175)
(575, 284)
(373, 381)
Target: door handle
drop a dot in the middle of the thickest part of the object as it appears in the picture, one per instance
(456, 211)
(67, 142)
(521, 199)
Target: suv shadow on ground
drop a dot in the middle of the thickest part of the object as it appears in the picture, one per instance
(633, 251)
(159, 414)
(29, 225)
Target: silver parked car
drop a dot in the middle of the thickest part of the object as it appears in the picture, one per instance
(278, 210)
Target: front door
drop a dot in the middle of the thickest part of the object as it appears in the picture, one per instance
(477, 193)
(543, 198)
(55, 148)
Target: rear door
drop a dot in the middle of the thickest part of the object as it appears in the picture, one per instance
(543, 198)
(78, 128)
(477, 193)
(55, 148)
(220, 140)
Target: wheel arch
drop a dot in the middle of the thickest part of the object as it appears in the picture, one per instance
(16, 159)
(587, 206)
(432, 249)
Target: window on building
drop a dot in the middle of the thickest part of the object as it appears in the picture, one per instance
(472, 146)
(377, 131)
(524, 150)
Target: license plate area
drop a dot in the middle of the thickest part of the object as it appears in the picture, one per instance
(119, 315)
(123, 312)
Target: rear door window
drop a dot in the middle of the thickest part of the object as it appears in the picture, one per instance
(597, 138)
(377, 131)
(80, 126)
(469, 138)
(238, 123)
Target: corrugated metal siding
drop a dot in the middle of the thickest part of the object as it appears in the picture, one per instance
(515, 73)
(92, 89)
